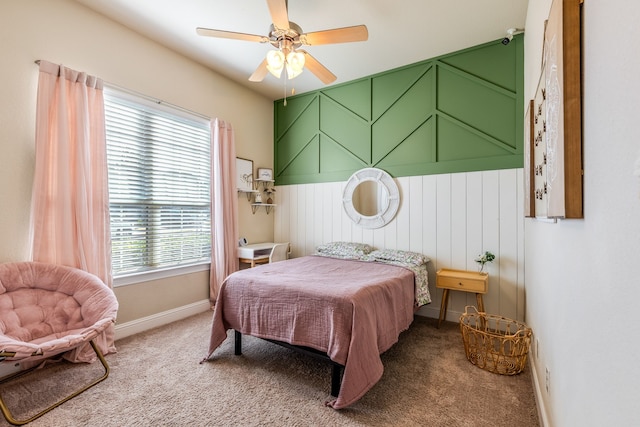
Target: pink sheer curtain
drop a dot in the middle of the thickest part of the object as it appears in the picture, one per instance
(224, 206)
(70, 201)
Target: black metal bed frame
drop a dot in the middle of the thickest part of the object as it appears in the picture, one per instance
(336, 368)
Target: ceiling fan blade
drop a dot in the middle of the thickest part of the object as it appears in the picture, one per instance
(317, 68)
(279, 14)
(356, 33)
(231, 35)
(260, 73)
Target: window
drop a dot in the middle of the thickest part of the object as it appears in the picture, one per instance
(159, 173)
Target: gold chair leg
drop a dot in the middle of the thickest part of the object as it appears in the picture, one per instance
(9, 417)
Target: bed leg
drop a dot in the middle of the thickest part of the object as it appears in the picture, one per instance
(238, 343)
(335, 379)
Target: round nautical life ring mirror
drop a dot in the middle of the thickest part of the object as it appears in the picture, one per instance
(371, 198)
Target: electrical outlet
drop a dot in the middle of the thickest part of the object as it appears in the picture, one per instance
(547, 382)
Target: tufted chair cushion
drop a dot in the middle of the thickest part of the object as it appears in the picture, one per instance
(47, 309)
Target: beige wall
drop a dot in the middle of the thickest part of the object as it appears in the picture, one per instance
(582, 276)
(63, 31)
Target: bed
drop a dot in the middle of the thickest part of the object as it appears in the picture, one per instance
(349, 308)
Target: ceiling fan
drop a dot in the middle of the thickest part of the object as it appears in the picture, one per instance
(287, 37)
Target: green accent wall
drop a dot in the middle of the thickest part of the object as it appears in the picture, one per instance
(455, 113)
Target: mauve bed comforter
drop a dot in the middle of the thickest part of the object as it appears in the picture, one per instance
(352, 310)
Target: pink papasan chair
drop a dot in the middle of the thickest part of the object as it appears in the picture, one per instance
(47, 310)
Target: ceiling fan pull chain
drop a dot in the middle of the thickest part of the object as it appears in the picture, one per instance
(285, 89)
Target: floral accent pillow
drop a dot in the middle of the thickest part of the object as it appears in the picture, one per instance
(413, 261)
(344, 250)
(396, 255)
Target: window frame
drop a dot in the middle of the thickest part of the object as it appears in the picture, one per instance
(163, 271)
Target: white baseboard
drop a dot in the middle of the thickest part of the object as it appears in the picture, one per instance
(145, 323)
(537, 391)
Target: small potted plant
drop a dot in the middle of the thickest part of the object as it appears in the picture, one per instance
(269, 192)
(485, 258)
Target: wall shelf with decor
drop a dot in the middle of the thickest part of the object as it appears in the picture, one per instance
(553, 121)
(264, 175)
(249, 193)
(263, 182)
(267, 207)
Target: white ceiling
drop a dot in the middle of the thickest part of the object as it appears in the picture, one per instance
(401, 32)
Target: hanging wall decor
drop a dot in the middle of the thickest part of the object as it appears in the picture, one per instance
(529, 202)
(553, 127)
(244, 179)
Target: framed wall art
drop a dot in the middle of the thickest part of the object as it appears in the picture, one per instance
(244, 174)
(529, 203)
(554, 167)
(265, 174)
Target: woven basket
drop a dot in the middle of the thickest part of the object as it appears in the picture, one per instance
(495, 343)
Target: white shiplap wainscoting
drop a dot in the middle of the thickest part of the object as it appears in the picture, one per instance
(451, 218)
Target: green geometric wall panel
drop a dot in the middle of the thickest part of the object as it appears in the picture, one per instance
(335, 159)
(402, 116)
(355, 97)
(345, 127)
(459, 112)
(493, 64)
(417, 149)
(477, 104)
(296, 109)
(387, 88)
(459, 143)
(305, 162)
(295, 137)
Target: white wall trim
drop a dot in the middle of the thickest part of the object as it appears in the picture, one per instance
(542, 411)
(146, 276)
(145, 323)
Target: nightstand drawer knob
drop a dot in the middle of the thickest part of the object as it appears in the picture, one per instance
(460, 284)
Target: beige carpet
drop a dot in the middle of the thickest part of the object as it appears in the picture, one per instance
(156, 380)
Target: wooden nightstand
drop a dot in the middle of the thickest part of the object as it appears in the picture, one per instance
(461, 280)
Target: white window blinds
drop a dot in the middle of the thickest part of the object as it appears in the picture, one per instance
(159, 177)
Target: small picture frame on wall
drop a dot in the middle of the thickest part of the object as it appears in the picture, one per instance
(244, 174)
(265, 174)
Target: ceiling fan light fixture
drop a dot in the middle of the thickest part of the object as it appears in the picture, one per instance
(294, 64)
(286, 37)
(275, 62)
